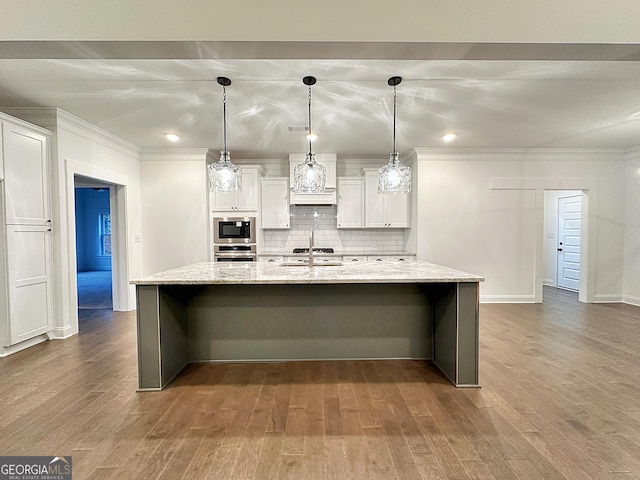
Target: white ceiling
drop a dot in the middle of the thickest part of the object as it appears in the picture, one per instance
(488, 103)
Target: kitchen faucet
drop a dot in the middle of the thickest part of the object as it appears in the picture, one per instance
(311, 247)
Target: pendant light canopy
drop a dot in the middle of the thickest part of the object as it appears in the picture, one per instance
(309, 176)
(394, 177)
(224, 176)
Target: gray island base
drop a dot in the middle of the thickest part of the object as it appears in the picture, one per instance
(259, 312)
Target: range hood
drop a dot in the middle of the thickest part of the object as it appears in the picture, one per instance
(314, 199)
(328, 197)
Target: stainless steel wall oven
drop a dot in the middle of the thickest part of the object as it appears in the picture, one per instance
(234, 239)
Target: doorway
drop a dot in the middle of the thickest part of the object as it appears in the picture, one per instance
(563, 211)
(93, 220)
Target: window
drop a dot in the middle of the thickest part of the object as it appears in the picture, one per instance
(104, 233)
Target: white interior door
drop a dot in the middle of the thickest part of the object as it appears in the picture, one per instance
(569, 221)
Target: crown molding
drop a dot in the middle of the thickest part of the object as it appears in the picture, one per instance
(174, 154)
(511, 154)
(84, 129)
(44, 117)
(55, 118)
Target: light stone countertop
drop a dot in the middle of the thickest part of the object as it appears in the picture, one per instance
(338, 253)
(211, 273)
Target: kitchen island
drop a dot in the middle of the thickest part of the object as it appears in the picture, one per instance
(265, 312)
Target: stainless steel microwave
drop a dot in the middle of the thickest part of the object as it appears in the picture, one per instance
(234, 230)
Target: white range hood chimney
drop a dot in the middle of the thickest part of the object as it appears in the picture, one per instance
(329, 195)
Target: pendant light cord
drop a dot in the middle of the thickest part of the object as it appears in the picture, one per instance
(394, 118)
(224, 115)
(309, 133)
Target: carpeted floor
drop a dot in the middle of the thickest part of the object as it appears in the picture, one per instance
(94, 290)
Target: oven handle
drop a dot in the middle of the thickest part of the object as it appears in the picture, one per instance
(235, 255)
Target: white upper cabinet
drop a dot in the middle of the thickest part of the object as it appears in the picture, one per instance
(275, 203)
(25, 154)
(350, 202)
(245, 200)
(384, 210)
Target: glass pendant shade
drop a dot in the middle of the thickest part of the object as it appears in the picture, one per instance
(224, 176)
(395, 176)
(309, 176)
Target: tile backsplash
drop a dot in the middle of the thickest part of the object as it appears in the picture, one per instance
(326, 234)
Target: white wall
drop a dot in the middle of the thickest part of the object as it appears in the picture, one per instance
(464, 223)
(632, 231)
(82, 149)
(174, 208)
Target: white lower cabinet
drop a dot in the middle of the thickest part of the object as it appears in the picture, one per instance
(391, 258)
(316, 259)
(276, 260)
(28, 295)
(354, 258)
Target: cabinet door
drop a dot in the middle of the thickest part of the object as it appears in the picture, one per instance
(29, 286)
(247, 198)
(354, 258)
(223, 201)
(26, 180)
(397, 210)
(275, 203)
(350, 203)
(244, 200)
(374, 210)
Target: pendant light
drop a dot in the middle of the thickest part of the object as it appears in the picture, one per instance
(309, 176)
(394, 177)
(224, 176)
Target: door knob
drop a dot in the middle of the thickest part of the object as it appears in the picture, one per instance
(559, 249)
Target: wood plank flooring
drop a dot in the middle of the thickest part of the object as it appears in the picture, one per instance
(560, 399)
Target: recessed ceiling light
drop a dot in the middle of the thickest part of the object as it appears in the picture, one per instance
(448, 137)
(172, 137)
(312, 137)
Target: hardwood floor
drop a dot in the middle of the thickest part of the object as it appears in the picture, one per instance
(560, 399)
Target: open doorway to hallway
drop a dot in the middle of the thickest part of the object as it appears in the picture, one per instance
(93, 244)
(563, 212)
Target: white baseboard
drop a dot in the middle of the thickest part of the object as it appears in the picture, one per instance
(631, 300)
(60, 333)
(507, 299)
(548, 282)
(4, 351)
(607, 298)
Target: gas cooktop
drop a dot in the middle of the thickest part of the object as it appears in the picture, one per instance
(315, 250)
